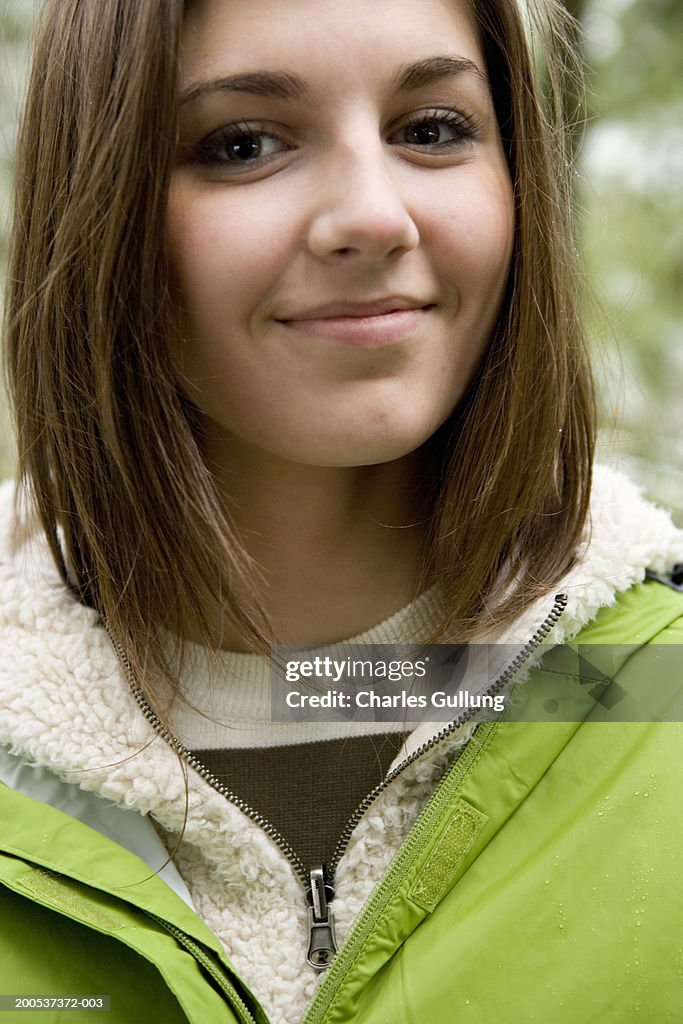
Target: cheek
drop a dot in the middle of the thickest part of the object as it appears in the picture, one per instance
(221, 255)
(472, 235)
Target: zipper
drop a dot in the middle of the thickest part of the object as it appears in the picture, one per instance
(423, 827)
(189, 758)
(235, 1000)
(499, 684)
(393, 877)
(322, 942)
(318, 883)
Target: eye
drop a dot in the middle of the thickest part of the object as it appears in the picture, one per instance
(239, 145)
(435, 129)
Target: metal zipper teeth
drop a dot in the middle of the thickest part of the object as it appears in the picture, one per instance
(296, 862)
(215, 783)
(385, 890)
(500, 683)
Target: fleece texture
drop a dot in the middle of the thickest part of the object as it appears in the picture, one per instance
(65, 705)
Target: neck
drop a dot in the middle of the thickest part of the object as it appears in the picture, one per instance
(339, 548)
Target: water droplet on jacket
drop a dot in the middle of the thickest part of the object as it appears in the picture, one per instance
(547, 881)
(467, 1002)
(636, 792)
(638, 924)
(646, 795)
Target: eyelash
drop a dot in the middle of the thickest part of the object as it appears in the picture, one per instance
(215, 147)
(466, 127)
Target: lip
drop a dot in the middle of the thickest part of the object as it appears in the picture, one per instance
(373, 324)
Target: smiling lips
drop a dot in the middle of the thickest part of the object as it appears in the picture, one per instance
(366, 325)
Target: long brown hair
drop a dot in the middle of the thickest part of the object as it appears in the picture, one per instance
(108, 445)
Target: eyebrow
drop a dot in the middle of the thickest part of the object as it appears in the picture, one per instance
(284, 86)
(274, 84)
(433, 69)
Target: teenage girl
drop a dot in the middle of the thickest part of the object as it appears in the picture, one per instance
(294, 352)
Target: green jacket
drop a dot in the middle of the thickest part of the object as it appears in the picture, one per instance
(540, 883)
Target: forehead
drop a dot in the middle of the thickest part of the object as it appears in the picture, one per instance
(341, 40)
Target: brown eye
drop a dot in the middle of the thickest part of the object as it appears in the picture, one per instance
(239, 145)
(244, 147)
(435, 129)
(427, 133)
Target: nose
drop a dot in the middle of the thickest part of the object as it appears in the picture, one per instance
(360, 214)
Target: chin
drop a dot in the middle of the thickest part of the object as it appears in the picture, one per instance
(363, 449)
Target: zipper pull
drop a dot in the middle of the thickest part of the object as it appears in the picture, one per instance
(322, 944)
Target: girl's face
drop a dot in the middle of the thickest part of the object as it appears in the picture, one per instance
(340, 223)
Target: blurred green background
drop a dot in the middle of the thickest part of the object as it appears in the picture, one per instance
(631, 195)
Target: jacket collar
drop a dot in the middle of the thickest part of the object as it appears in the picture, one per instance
(64, 703)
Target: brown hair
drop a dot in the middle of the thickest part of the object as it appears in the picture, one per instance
(108, 444)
